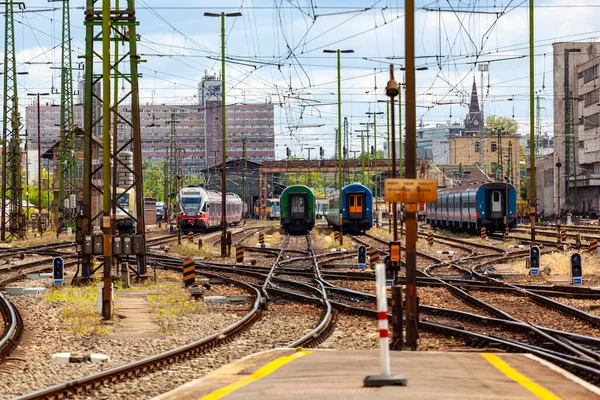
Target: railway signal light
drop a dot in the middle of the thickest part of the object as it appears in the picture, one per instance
(362, 257)
(576, 270)
(288, 151)
(372, 150)
(58, 270)
(389, 271)
(321, 152)
(534, 260)
(477, 147)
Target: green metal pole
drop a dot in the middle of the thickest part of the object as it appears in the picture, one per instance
(531, 126)
(388, 135)
(106, 194)
(375, 157)
(368, 158)
(400, 130)
(362, 158)
(340, 156)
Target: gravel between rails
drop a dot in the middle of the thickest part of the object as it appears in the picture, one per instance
(280, 325)
(45, 337)
(590, 306)
(353, 332)
(441, 297)
(526, 310)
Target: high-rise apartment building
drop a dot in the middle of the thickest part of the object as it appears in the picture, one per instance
(196, 128)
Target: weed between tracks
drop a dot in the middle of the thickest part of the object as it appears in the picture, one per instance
(79, 309)
(560, 263)
(274, 238)
(191, 250)
(171, 301)
(47, 237)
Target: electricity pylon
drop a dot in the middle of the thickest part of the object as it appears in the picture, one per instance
(11, 145)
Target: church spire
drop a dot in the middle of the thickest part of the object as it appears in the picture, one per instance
(474, 120)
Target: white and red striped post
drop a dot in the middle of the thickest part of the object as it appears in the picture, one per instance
(382, 319)
(386, 378)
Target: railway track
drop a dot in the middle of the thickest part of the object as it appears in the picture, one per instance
(157, 362)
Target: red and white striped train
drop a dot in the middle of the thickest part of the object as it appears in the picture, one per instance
(200, 210)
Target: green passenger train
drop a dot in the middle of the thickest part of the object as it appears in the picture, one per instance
(297, 209)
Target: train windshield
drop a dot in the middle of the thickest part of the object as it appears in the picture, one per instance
(191, 203)
(123, 200)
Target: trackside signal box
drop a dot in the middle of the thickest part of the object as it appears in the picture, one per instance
(98, 242)
(88, 247)
(362, 257)
(534, 260)
(576, 269)
(117, 245)
(58, 270)
(127, 245)
(137, 242)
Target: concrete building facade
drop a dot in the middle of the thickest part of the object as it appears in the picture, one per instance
(466, 150)
(576, 115)
(197, 129)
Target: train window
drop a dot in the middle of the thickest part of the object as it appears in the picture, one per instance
(496, 197)
(351, 201)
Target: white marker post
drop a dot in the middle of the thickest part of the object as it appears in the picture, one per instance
(386, 378)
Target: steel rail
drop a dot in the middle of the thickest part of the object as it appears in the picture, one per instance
(13, 328)
(152, 363)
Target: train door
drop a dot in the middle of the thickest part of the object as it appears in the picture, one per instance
(298, 205)
(355, 205)
(496, 201)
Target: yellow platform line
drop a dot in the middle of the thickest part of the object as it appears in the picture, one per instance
(522, 380)
(260, 373)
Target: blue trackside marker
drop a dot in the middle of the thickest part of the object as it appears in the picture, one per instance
(58, 282)
(577, 281)
(534, 271)
(389, 282)
(361, 266)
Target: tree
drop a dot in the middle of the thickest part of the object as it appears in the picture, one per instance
(153, 175)
(47, 195)
(506, 126)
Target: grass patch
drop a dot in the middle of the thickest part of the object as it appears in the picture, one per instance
(275, 236)
(560, 263)
(170, 302)
(78, 309)
(47, 237)
(191, 250)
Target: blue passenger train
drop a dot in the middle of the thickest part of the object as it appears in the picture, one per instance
(469, 208)
(357, 209)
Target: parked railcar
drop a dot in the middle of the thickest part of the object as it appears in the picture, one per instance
(322, 207)
(297, 209)
(275, 209)
(469, 208)
(125, 211)
(160, 211)
(357, 209)
(272, 208)
(201, 210)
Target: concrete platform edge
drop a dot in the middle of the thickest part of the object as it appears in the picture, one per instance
(592, 388)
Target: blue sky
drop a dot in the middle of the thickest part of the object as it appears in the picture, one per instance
(276, 51)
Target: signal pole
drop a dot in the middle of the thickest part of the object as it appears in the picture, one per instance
(412, 331)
